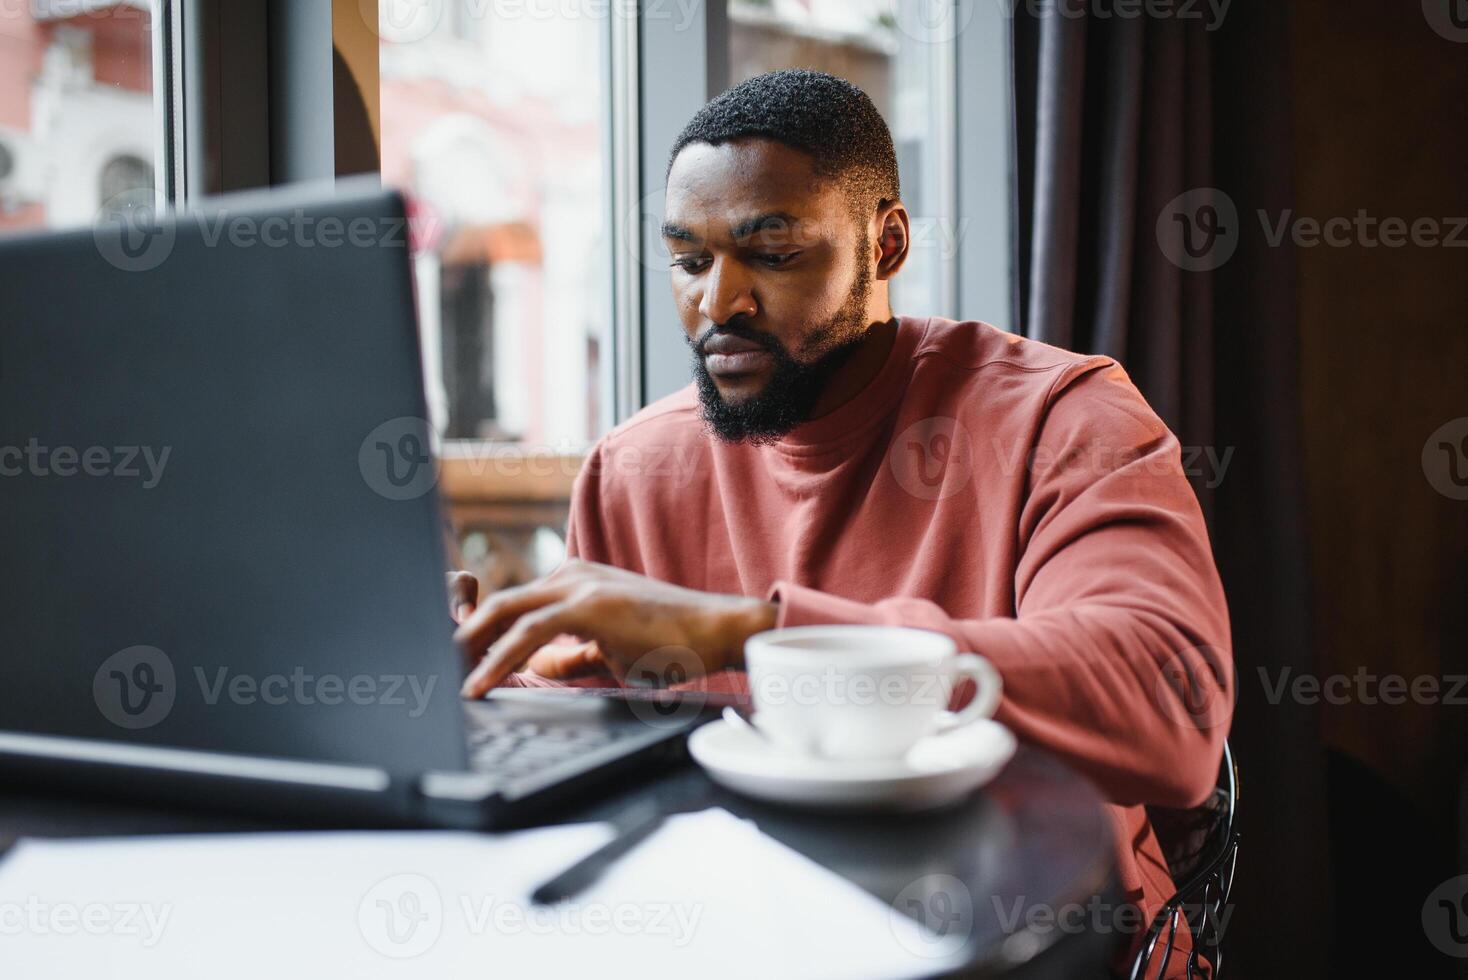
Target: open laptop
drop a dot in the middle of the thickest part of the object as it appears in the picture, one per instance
(221, 566)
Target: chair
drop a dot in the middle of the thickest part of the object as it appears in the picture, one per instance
(1201, 847)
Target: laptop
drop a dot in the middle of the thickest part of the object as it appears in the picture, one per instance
(221, 549)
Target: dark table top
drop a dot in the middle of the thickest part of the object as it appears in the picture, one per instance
(1037, 837)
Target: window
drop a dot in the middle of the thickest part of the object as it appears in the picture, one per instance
(78, 121)
(503, 155)
(532, 138)
(939, 72)
(906, 67)
(493, 119)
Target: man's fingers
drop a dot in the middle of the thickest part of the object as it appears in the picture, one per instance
(530, 632)
(498, 613)
(463, 595)
(566, 661)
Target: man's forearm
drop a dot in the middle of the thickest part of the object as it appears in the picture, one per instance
(1140, 705)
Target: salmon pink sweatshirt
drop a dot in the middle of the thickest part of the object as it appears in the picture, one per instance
(1022, 499)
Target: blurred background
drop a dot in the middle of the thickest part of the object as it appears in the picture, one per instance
(496, 117)
(1210, 196)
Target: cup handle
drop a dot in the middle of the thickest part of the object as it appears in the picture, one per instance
(989, 689)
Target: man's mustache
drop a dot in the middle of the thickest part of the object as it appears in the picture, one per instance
(743, 332)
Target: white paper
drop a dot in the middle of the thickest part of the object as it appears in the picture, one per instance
(708, 895)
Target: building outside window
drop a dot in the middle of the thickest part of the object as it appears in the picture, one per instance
(77, 120)
(503, 159)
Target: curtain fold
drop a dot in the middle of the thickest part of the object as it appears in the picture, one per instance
(1117, 119)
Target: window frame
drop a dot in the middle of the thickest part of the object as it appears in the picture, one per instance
(253, 94)
(248, 102)
(987, 278)
(167, 102)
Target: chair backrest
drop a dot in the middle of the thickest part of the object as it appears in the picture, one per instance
(1201, 846)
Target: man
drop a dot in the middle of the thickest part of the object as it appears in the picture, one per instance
(832, 463)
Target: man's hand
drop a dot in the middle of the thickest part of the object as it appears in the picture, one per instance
(463, 595)
(629, 616)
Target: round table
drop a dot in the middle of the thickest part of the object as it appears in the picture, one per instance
(993, 877)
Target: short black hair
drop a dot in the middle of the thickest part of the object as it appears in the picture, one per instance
(826, 117)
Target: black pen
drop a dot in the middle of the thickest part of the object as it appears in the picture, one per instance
(584, 873)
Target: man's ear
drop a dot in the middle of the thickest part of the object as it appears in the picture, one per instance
(892, 239)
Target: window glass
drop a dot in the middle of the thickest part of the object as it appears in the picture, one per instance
(78, 126)
(493, 118)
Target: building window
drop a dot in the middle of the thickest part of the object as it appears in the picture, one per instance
(123, 177)
(78, 126)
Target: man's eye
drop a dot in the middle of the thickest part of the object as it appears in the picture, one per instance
(691, 264)
(776, 259)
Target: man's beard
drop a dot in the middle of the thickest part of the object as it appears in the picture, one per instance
(794, 387)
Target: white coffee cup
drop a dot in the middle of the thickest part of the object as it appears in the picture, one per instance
(861, 692)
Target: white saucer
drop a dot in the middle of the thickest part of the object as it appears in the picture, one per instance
(940, 769)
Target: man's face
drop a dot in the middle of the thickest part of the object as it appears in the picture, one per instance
(771, 277)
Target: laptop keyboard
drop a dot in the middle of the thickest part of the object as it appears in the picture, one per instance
(516, 749)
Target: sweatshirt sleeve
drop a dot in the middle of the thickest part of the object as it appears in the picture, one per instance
(584, 538)
(1118, 655)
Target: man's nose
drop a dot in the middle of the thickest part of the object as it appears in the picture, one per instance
(727, 293)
